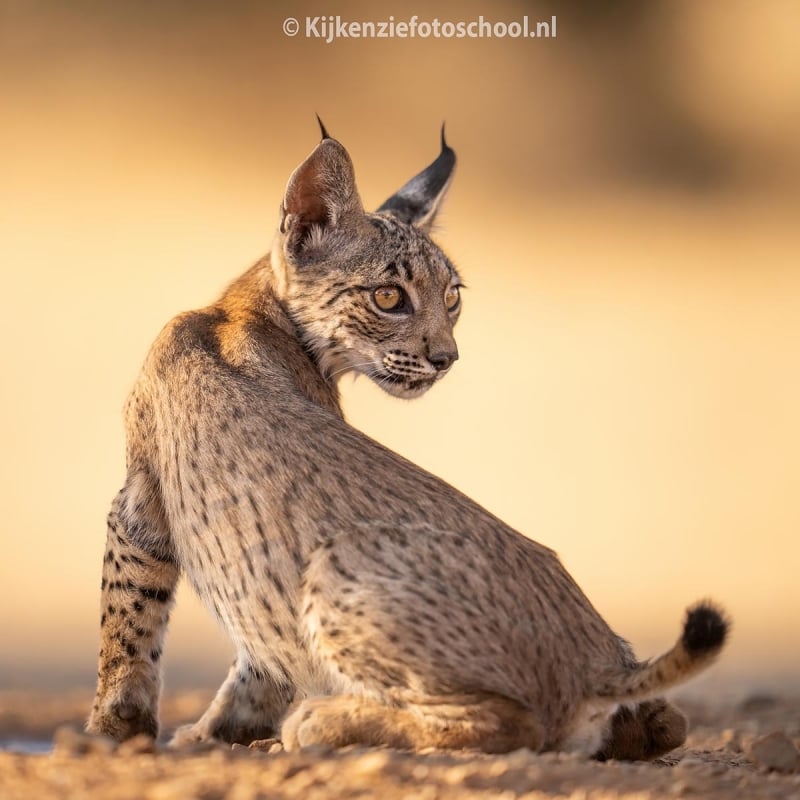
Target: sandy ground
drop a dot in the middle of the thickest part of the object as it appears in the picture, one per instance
(729, 754)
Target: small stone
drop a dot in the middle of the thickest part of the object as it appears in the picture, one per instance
(732, 741)
(497, 768)
(266, 745)
(140, 744)
(70, 741)
(200, 748)
(758, 702)
(776, 751)
(455, 775)
(245, 751)
(420, 772)
(371, 763)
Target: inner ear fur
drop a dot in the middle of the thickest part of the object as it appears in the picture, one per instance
(321, 192)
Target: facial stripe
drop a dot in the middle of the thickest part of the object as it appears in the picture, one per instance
(347, 290)
(391, 270)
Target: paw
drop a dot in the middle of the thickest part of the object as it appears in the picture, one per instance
(308, 725)
(667, 727)
(122, 718)
(644, 732)
(290, 731)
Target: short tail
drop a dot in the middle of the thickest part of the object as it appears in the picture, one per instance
(704, 633)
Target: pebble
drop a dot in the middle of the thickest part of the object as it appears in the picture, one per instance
(241, 750)
(689, 763)
(776, 751)
(267, 745)
(732, 740)
(372, 763)
(71, 741)
(142, 744)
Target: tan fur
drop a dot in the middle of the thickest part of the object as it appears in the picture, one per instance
(390, 608)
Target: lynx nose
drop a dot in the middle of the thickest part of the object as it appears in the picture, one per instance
(443, 359)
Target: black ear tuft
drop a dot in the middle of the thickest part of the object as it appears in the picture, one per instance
(418, 200)
(325, 134)
(705, 629)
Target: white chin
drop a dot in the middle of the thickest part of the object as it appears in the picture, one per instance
(407, 390)
(395, 385)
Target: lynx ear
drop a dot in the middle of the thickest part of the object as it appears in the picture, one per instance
(321, 193)
(419, 200)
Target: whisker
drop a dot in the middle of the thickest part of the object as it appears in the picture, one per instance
(350, 367)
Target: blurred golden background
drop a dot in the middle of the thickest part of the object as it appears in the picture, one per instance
(625, 214)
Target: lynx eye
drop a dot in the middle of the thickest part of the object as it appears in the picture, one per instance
(452, 297)
(388, 298)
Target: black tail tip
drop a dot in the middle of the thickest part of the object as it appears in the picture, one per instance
(705, 629)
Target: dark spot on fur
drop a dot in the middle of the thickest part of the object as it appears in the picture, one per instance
(160, 595)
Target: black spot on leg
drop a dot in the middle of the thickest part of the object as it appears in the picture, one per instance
(131, 650)
(278, 584)
(155, 655)
(159, 595)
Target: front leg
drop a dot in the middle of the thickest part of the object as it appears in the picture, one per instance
(248, 706)
(139, 579)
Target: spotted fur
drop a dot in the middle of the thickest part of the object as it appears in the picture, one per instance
(368, 601)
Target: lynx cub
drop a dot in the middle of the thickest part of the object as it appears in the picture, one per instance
(369, 602)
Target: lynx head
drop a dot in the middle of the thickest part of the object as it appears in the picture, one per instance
(370, 292)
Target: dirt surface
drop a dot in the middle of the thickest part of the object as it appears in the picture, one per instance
(742, 751)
